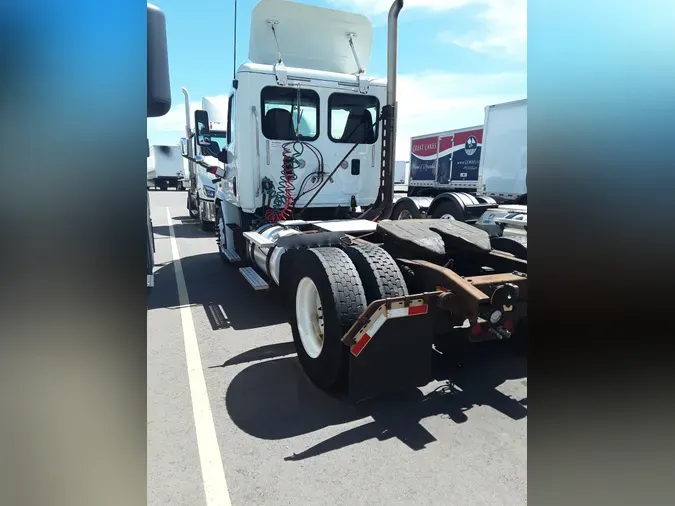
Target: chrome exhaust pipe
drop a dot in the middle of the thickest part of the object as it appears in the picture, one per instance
(392, 51)
(390, 149)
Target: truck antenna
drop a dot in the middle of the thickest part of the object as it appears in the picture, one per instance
(234, 58)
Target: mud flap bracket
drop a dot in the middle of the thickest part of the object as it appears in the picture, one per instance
(390, 346)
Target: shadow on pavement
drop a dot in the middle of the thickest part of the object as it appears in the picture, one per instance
(227, 299)
(186, 230)
(274, 399)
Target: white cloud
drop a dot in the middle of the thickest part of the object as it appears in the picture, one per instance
(502, 28)
(434, 102)
(503, 33)
(376, 7)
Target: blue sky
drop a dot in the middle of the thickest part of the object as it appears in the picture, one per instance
(455, 57)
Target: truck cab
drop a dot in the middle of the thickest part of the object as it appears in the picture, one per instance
(203, 152)
(303, 130)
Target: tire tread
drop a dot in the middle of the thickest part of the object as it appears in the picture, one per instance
(377, 264)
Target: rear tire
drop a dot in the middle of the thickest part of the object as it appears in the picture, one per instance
(406, 210)
(329, 276)
(379, 272)
(448, 210)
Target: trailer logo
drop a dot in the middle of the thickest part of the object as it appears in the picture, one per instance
(471, 145)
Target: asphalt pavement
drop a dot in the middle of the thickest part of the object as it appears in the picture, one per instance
(233, 420)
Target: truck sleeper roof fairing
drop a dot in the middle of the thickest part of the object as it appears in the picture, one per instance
(216, 107)
(309, 37)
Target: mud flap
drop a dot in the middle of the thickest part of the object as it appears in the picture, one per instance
(390, 347)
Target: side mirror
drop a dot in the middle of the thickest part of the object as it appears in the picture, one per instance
(229, 157)
(159, 86)
(202, 140)
(202, 123)
(183, 146)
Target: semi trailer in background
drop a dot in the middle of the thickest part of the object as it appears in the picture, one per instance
(166, 168)
(460, 174)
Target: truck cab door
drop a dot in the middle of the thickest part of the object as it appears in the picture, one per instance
(229, 180)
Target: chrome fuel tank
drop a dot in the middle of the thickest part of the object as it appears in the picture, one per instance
(271, 232)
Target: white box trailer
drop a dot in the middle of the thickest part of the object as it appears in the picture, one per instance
(165, 167)
(401, 172)
(503, 161)
(503, 176)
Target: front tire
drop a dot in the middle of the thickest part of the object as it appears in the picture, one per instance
(206, 226)
(329, 297)
(221, 235)
(194, 211)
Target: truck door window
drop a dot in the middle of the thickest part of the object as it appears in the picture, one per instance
(351, 118)
(290, 113)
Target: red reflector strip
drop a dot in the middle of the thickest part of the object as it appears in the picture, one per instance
(401, 312)
(413, 310)
(358, 347)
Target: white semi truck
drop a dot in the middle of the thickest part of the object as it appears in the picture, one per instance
(304, 208)
(166, 168)
(203, 185)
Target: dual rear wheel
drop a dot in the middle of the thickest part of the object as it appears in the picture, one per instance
(331, 287)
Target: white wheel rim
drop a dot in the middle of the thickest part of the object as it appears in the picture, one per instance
(221, 233)
(309, 314)
(405, 215)
(447, 217)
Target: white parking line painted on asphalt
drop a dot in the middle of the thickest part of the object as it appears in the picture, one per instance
(213, 473)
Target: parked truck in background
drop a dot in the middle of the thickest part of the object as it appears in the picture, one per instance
(443, 179)
(166, 168)
(202, 184)
(459, 174)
